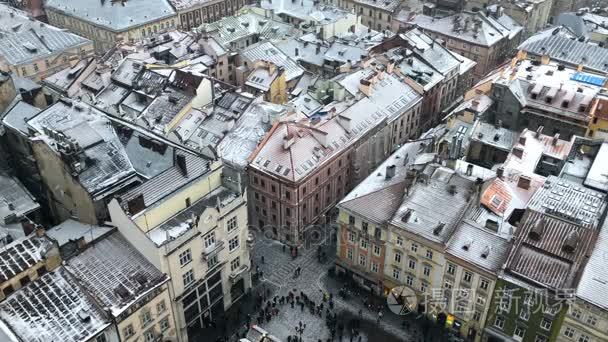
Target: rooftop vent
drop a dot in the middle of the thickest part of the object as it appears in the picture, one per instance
(467, 245)
(438, 229)
(524, 182)
(406, 216)
(571, 242)
(390, 171)
(486, 252)
(537, 231)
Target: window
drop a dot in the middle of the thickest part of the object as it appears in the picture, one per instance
(591, 320)
(364, 244)
(484, 284)
(164, 324)
(584, 338)
(499, 322)
(409, 280)
(447, 284)
(185, 257)
(451, 269)
(351, 219)
(8, 290)
(396, 273)
(287, 212)
(232, 223)
(569, 332)
(399, 241)
(414, 248)
(524, 314)
(364, 226)
(128, 331)
(188, 278)
(146, 318)
(161, 307)
(467, 277)
(398, 256)
(476, 315)
(423, 287)
(149, 336)
(427, 270)
(519, 333)
(209, 239)
(576, 313)
(24, 280)
(429, 254)
(540, 338)
(351, 237)
(36, 67)
(101, 338)
(481, 300)
(412, 264)
(233, 243)
(212, 262)
(374, 267)
(545, 324)
(362, 260)
(41, 271)
(349, 253)
(376, 250)
(188, 202)
(235, 264)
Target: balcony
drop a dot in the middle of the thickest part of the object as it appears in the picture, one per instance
(213, 250)
(238, 273)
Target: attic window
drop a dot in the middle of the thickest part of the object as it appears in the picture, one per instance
(467, 245)
(437, 230)
(486, 252)
(30, 47)
(570, 242)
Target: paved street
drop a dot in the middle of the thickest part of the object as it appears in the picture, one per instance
(278, 280)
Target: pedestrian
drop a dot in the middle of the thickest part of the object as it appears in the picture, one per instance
(262, 259)
(283, 248)
(361, 313)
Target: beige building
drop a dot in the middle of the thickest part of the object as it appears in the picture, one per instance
(34, 49)
(133, 290)
(15, 275)
(193, 13)
(110, 23)
(532, 15)
(195, 230)
(377, 15)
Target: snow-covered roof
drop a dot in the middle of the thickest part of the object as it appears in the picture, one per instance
(266, 51)
(593, 284)
(597, 177)
(307, 10)
(24, 40)
(52, 308)
(116, 16)
(87, 135)
(74, 230)
(115, 273)
(15, 200)
(492, 135)
(19, 255)
(478, 246)
(17, 116)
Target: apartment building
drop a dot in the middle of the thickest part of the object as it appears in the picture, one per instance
(302, 169)
(192, 227)
(375, 14)
(534, 94)
(547, 258)
(587, 316)
(110, 23)
(193, 13)
(434, 71)
(532, 15)
(133, 290)
(34, 49)
(488, 39)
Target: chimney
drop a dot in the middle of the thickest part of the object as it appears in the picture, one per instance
(81, 243)
(288, 140)
(518, 152)
(522, 140)
(555, 139)
(524, 182)
(365, 86)
(539, 131)
(318, 50)
(180, 162)
(390, 67)
(500, 172)
(470, 170)
(390, 171)
(39, 231)
(27, 226)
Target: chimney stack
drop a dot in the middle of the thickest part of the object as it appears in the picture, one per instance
(390, 171)
(539, 131)
(555, 139)
(500, 172)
